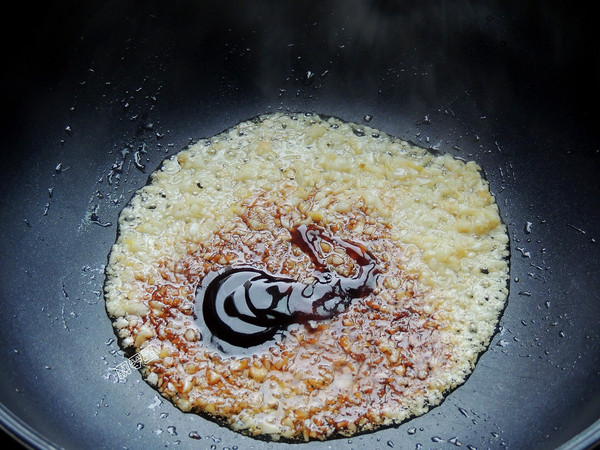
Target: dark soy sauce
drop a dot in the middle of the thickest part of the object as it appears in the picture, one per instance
(246, 307)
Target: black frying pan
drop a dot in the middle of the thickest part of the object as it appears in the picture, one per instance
(96, 94)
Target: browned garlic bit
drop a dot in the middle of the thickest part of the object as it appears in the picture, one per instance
(380, 357)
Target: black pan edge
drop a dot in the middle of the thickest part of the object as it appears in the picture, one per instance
(21, 432)
(26, 436)
(588, 439)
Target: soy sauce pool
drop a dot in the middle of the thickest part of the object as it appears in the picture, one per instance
(245, 308)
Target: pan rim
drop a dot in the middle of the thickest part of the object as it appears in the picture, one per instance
(22, 432)
(587, 439)
(30, 438)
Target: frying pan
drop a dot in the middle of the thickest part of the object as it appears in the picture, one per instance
(96, 94)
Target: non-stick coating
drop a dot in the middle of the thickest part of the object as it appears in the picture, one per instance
(92, 88)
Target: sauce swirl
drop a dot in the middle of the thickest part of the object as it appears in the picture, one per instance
(245, 306)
